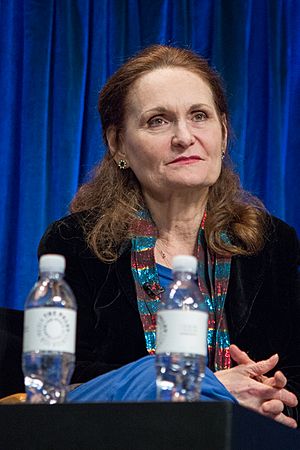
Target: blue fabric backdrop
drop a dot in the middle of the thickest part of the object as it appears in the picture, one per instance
(56, 55)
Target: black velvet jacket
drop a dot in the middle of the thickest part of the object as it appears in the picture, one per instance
(262, 303)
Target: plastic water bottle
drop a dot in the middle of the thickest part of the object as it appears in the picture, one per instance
(181, 346)
(49, 334)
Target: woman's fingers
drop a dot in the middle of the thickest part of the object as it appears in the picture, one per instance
(255, 369)
(274, 410)
(266, 393)
(285, 420)
(263, 394)
(272, 407)
(288, 398)
(238, 355)
(278, 380)
(262, 367)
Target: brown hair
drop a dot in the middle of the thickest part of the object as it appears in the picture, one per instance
(115, 196)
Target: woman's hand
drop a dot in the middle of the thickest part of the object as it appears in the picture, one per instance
(254, 390)
(240, 357)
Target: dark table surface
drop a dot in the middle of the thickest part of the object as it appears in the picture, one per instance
(141, 426)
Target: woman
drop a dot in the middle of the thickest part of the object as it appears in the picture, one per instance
(165, 187)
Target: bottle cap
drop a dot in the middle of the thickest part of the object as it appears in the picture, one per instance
(185, 263)
(52, 263)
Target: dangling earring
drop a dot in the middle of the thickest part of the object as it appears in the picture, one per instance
(223, 154)
(122, 164)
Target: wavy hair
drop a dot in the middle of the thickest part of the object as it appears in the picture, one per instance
(114, 196)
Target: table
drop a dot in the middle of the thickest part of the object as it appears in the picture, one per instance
(141, 426)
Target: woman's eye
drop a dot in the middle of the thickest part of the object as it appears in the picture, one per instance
(156, 122)
(199, 116)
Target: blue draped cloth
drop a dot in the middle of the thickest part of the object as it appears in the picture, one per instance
(135, 382)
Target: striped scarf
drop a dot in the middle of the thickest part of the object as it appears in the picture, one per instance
(213, 278)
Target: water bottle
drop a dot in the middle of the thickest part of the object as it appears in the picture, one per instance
(181, 335)
(49, 334)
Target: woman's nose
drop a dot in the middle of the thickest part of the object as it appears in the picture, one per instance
(182, 136)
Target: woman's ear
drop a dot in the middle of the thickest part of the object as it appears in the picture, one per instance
(114, 144)
(224, 126)
(111, 137)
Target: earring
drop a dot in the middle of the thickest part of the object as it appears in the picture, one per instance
(223, 154)
(122, 164)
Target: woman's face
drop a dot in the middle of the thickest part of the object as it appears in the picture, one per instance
(172, 138)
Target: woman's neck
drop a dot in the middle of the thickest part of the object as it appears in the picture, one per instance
(178, 219)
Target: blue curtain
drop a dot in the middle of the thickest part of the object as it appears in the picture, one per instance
(56, 55)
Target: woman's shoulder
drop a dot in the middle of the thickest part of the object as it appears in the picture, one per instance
(280, 230)
(66, 235)
(282, 242)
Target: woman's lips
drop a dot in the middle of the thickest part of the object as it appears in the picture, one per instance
(186, 160)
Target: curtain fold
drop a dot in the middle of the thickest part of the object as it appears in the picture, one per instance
(56, 55)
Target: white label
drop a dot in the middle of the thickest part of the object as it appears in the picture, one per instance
(49, 329)
(181, 332)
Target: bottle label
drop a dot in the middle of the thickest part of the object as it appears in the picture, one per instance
(49, 329)
(181, 332)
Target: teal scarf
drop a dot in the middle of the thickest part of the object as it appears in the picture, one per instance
(213, 278)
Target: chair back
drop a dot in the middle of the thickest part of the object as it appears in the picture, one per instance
(11, 336)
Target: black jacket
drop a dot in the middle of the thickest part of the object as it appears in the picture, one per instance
(262, 303)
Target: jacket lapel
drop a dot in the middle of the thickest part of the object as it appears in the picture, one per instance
(246, 278)
(124, 275)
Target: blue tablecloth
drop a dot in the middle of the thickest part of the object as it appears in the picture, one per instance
(136, 382)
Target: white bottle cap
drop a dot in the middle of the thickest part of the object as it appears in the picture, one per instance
(185, 263)
(52, 263)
